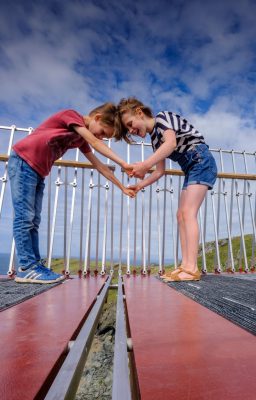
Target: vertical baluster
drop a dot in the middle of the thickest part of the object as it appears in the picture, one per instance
(65, 216)
(4, 180)
(143, 239)
(49, 194)
(159, 229)
(149, 227)
(217, 263)
(217, 253)
(128, 218)
(104, 243)
(177, 230)
(97, 225)
(112, 229)
(254, 239)
(224, 192)
(249, 194)
(58, 183)
(164, 220)
(204, 270)
(121, 232)
(242, 241)
(88, 228)
(11, 269)
(231, 204)
(243, 219)
(71, 221)
(4, 177)
(81, 222)
(135, 232)
(173, 222)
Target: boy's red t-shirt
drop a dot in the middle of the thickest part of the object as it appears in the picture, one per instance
(50, 140)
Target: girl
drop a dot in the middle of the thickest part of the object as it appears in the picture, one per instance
(173, 137)
(31, 161)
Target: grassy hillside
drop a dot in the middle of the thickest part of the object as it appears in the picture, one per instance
(223, 250)
(58, 265)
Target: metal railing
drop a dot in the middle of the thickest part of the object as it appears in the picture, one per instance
(85, 218)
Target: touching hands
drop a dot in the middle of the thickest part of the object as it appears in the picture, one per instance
(128, 169)
(136, 170)
(136, 188)
(129, 191)
(139, 170)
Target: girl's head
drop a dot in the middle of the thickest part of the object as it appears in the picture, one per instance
(102, 121)
(134, 119)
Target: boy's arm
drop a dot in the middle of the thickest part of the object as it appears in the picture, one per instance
(169, 145)
(99, 146)
(156, 174)
(105, 171)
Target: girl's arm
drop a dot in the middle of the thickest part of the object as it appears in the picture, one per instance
(105, 171)
(99, 146)
(156, 174)
(169, 145)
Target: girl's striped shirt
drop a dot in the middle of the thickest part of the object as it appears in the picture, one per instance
(186, 135)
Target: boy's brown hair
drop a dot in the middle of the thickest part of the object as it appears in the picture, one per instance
(108, 113)
(129, 104)
(110, 117)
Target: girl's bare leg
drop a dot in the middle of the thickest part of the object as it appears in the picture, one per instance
(182, 231)
(192, 199)
(182, 237)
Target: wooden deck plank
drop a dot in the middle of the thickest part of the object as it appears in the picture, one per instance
(184, 351)
(35, 334)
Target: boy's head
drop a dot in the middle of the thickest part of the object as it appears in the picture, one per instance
(102, 121)
(132, 119)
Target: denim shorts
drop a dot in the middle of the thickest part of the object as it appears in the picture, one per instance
(198, 165)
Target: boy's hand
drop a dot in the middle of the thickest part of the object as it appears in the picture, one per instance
(139, 170)
(129, 192)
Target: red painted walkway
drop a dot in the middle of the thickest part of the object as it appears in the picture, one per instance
(184, 351)
(35, 334)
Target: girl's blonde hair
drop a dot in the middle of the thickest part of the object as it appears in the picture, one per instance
(130, 104)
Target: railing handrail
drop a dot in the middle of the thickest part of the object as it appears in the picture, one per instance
(66, 163)
(85, 165)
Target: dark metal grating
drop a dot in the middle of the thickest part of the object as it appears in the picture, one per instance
(12, 293)
(234, 298)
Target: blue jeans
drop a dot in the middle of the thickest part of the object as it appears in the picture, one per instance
(27, 188)
(198, 165)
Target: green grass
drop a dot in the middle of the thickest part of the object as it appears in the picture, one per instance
(58, 264)
(223, 250)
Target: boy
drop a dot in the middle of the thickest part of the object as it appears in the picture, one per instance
(31, 161)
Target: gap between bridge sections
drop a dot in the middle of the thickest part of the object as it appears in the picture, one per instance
(35, 334)
(182, 350)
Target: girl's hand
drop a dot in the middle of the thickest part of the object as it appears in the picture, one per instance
(128, 169)
(139, 170)
(129, 192)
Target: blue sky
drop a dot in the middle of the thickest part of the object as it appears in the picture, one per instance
(195, 57)
(192, 57)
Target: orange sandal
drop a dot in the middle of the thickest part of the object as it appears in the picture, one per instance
(195, 276)
(172, 273)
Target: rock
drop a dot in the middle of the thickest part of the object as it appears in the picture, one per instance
(96, 381)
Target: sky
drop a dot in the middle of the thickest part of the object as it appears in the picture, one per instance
(195, 58)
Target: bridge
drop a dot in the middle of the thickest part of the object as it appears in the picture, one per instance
(172, 341)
